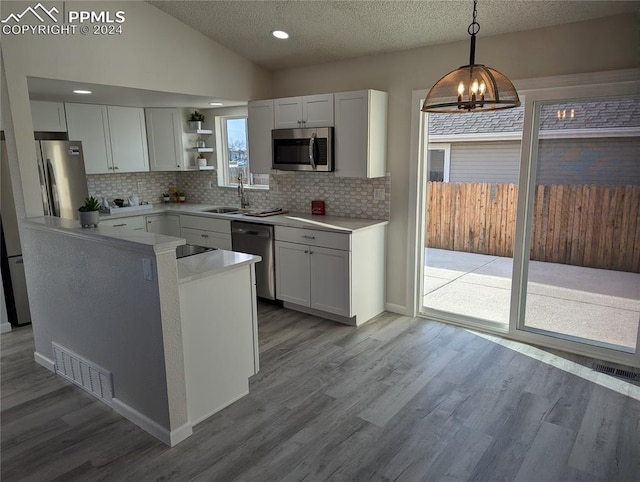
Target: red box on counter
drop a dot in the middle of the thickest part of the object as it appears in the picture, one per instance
(317, 207)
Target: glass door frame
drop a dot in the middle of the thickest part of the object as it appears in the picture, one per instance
(533, 93)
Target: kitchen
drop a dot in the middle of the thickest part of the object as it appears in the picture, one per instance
(117, 64)
(326, 265)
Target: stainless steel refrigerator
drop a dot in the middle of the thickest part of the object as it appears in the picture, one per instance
(63, 188)
(63, 182)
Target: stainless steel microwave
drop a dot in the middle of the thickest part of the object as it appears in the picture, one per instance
(303, 149)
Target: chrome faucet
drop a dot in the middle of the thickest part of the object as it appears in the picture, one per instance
(244, 199)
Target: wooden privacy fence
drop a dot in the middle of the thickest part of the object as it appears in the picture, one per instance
(581, 225)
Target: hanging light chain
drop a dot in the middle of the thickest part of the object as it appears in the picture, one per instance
(478, 87)
(474, 26)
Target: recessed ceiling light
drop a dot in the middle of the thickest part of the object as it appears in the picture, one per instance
(82, 91)
(280, 34)
(215, 103)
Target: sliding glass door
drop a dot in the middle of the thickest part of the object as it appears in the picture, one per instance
(471, 202)
(533, 228)
(583, 277)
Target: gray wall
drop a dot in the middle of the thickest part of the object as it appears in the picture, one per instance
(604, 161)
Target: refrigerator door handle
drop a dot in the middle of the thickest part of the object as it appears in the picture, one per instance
(44, 188)
(54, 202)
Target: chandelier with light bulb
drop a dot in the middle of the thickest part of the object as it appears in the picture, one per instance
(473, 87)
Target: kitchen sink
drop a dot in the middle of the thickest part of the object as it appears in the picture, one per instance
(223, 210)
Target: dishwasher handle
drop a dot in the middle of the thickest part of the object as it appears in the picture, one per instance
(239, 228)
(251, 232)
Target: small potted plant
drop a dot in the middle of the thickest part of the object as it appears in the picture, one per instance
(181, 197)
(89, 212)
(201, 160)
(195, 120)
(166, 197)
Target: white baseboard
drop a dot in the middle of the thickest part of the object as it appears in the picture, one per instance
(5, 327)
(321, 314)
(222, 407)
(170, 438)
(48, 363)
(393, 308)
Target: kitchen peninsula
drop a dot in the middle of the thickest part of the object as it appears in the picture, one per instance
(154, 337)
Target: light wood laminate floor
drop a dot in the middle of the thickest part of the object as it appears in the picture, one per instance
(395, 399)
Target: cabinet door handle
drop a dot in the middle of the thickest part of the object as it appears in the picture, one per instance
(310, 252)
(118, 225)
(177, 165)
(308, 237)
(306, 252)
(204, 235)
(116, 167)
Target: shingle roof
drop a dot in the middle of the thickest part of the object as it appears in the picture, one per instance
(587, 115)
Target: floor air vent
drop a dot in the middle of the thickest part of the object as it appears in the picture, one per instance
(616, 372)
(83, 373)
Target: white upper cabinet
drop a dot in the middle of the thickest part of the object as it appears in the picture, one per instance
(301, 112)
(113, 138)
(164, 133)
(48, 116)
(259, 125)
(89, 124)
(128, 139)
(360, 133)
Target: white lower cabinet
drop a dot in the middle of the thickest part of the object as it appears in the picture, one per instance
(293, 273)
(208, 232)
(333, 274)
(167, 224)
(135, 223)
(314, 276)
(330, 280)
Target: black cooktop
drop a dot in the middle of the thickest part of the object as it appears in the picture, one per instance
(185, 250)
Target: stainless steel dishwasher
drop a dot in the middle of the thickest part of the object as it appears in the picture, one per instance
(255, 238)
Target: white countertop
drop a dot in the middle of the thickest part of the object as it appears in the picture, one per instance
(189, 268)
(291, 219)
(107, 234)
(211, 263)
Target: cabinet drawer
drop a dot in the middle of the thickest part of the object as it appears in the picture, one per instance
(136, 223)
(208, 239)
(207, 224)
(313, 237)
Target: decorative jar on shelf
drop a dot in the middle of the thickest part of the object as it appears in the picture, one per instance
(201, 161)
(181, 197)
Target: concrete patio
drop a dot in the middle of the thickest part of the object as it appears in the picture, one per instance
(594, 304)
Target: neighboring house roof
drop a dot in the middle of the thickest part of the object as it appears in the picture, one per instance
(618, 113)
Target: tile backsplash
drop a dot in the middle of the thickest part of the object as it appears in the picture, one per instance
(149, 186)
(349, 197)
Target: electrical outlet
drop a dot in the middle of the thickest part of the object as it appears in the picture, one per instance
(209, 184)
(147, 269)
(140, 186)
(379, 194)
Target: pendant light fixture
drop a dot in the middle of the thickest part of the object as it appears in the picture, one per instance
(473, 87)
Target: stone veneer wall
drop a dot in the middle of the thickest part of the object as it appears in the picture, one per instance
(349, 197)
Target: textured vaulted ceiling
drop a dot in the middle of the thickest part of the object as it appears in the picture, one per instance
(324, 31)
